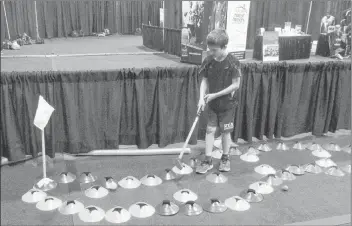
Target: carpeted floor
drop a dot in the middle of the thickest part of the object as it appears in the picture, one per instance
(90, 45)
(309, 197)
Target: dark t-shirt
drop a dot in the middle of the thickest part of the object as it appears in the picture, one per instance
(220, 75)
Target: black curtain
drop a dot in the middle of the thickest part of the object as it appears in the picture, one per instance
(132, 14)
(60, 18)
(103, 109)
(20, 17)
(97, 109)
(172, 44)
(153, 37)
(282, 100)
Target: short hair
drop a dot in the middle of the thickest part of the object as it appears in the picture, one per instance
(218, 37)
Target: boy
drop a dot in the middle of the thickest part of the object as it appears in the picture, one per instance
(221, 79)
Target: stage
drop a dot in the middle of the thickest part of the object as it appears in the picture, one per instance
(98, 99)
(123, 51)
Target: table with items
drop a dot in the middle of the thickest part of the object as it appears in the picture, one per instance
(290, 47)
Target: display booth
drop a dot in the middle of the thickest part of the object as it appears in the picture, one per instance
(200, 17)
(288, 47)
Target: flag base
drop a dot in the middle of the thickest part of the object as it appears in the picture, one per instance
(45, 184)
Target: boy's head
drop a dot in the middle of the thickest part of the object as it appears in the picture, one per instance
(217, 41)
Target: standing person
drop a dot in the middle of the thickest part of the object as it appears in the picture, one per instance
(221, 79)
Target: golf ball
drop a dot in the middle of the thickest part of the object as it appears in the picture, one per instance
(285, 188)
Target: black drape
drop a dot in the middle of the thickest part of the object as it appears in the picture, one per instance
(153, 37)
(285, 99)
(172, 44)
(20, 17)
(60, 18)
(97, 109)
(132, 14)
(102, 109)
(167, 40)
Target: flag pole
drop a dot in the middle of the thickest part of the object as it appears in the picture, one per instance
(43, 154)
(36, 19)
(310, 10)
(7, 23)
(41, 119)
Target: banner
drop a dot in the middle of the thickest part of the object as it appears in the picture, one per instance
(270, 46)
(193, 24)
(237, 24)
(193, 47)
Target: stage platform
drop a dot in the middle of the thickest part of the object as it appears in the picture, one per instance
(136, 96)
(122, 52)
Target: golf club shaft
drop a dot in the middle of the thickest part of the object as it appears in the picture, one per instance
(188, 138)
(190, 134)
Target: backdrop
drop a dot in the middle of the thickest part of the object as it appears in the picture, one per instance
(60, 18)
(268, 13)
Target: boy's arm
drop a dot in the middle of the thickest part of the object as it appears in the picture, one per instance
(203, 88)
(204, 73)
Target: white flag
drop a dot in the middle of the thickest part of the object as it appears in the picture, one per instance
(43, 113)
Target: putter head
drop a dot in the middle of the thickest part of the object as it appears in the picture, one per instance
(179, 164)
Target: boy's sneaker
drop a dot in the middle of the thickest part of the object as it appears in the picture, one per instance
(204, 167)
(225, 165)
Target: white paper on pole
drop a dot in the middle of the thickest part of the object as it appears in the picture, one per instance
(237, 24)
(43, 113)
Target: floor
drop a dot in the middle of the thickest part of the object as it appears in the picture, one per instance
(310, 197)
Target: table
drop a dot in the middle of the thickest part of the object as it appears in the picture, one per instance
(192, 54)
(290, 47)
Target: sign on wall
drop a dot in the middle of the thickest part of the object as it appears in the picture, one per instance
(236, 27)
(200, 17)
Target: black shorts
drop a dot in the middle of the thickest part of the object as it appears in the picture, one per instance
(222, 120)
